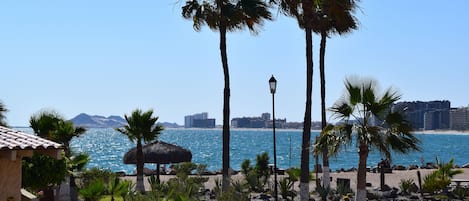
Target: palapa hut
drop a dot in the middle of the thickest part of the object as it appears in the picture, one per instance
(159, 152)
(14, 145)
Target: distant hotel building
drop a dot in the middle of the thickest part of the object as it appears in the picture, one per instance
(200, 120)
(263, 121)
(430, 115)
(459, 118)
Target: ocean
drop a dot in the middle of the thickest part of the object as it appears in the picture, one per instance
(107, 147)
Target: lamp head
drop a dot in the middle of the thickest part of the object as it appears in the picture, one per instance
(272, 84)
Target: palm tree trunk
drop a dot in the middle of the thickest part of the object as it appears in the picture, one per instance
(226, 112)
(73, 188)
(306, 138)
(325, 157)
(140, 186)
(361, 176)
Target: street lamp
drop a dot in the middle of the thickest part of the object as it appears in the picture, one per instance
(273, 87)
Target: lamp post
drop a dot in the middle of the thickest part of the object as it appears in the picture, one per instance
(273, 87)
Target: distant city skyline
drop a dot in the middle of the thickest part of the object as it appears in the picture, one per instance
(111, 57)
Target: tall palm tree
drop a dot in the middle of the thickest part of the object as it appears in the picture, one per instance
(3, 110)
(368, 117)
(141, 127)
(305, 13)
(334, 17)
(226, 16)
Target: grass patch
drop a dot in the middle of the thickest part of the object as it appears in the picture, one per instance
(108, 198)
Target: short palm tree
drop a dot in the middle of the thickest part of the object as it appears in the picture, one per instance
(3, 110)
(226, 16)
(51, 125)
(334, 17)
(141, 127)
(368, 117)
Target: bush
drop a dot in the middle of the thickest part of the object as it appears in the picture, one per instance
(94, 174)
(405, 186)
(441, 178)
(93, 191)
(238, 192)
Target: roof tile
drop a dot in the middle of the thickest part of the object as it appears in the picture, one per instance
(11, 139)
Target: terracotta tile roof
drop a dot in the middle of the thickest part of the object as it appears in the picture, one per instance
(11, 139)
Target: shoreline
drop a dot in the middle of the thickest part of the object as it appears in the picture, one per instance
(438, 132)
(391, 179)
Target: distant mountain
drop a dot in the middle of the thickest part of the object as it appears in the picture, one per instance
(169, 125)
(96, 121)
(113, 121)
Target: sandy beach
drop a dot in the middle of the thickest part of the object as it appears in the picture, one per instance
(391, 179)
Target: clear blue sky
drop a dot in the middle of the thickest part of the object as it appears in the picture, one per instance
(110, 57)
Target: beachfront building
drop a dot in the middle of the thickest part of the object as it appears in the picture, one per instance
(263, 121)
(430, 115)
(279, 123)
(248, 122)
(14, 145)
(459, 118)
(199, 120)
(437, 119)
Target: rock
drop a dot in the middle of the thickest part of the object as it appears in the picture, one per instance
(386, 188)
(400, 167)
(413, 167)
(414, 188)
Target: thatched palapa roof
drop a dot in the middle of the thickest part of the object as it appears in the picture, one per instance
(159, 152)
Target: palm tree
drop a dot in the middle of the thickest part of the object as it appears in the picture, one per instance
(53, 126)
(141, 126)
(3, 110)
(369, 118)
(334, 16)
(305, 13)
(75, 163)
(226, 16)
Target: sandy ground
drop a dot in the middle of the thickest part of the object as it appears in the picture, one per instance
(391, 179)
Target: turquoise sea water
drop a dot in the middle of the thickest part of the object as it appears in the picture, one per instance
(107, 148)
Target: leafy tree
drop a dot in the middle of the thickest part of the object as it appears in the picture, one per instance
(334, 17)
(226, 16)
(41, 172)
(368, 117)
(3, 110)
(141, 127)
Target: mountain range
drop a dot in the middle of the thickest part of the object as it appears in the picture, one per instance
(113, 121)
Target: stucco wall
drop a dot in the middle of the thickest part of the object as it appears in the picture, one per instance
(10, 178)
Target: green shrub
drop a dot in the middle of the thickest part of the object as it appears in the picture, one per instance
(246, 166)
(405, 186)
(262, 167)
(239, 191)
(441, 178)
(93, 191)
(94, 174)
(42, 171)
(460, 192)
(286, 189)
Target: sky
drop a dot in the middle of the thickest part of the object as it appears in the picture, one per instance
(110, 57)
